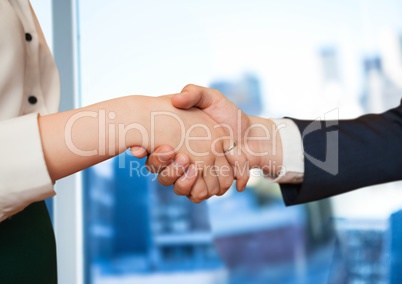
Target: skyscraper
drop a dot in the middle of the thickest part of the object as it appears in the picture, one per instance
(244, 92)
(333, 93)
(134, 224)
(395, 248)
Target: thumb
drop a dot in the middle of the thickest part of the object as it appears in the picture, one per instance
(195, 96)
(138, 152)
(184, 100)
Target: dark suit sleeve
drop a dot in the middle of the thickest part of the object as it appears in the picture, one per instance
(347, 154)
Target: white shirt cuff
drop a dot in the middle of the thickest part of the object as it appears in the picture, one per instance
(24, 177)
(292, 152)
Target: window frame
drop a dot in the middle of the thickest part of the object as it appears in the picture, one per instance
(67, 207)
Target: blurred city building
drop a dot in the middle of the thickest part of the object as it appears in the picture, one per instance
(395, 248)
(370, 247)
(258, 238)
(381, 92)
(245, 92)
(383, 75)
(135, 225)
(333, 93)
(364, 250)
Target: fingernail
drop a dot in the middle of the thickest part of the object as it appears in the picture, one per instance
(134, 149)
(191, 172)
(180, 161)
(164, 158)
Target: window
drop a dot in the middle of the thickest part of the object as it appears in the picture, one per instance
(302, 59)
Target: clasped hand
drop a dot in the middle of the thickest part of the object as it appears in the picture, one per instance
(192, 151)
(197, 161)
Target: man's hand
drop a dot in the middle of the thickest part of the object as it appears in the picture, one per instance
(256, 138)
(197, 139)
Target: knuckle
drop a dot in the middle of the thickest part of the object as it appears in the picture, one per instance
(215, 92)
(164, 181)
(195, 200)
(226, 184)
(180, 190)
(223, 191)
(189, 87)
(214, 191)
(203, 195)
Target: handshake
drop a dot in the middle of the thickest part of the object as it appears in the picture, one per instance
(201, 142)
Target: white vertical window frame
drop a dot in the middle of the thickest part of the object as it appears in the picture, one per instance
(68, 202)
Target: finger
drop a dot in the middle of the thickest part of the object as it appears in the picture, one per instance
(138, 151)
(196, 96)
(199, 191)
(210, 175)
(175, 170)
(225, 175)
(184, 184)
(241, 168)
(160, 158)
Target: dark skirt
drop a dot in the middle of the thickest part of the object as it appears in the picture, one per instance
(28, 247)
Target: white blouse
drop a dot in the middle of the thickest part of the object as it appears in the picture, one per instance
(29, 85)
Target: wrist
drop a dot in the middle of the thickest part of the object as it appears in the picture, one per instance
(263, 146)
(130, 121)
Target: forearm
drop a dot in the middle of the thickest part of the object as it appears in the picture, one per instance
(344, 155)
(76, 139)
